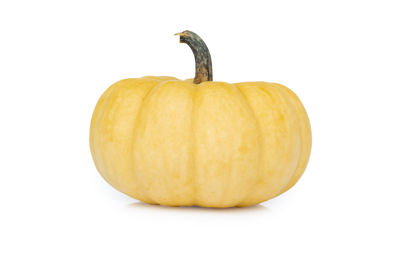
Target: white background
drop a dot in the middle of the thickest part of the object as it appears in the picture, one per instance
(342, 58)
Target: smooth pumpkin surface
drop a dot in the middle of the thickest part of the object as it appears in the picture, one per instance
(173, 142)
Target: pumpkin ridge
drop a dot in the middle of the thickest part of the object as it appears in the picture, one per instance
(193, 147)
(290, 103)
(95, 124)
(276, 96)
(145, 98)
(95, 117)
(228, 187)
(304, 152)
(261, 143)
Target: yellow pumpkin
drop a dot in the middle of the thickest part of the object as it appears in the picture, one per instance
(176, 142)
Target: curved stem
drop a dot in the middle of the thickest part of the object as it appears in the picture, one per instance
(201, 55)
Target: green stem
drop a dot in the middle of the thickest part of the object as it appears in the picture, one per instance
(201, 55)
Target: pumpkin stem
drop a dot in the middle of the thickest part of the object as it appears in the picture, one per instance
(201, 55)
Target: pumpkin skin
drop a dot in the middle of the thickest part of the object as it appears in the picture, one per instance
(167, 141)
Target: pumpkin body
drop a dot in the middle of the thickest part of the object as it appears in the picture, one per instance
(167, 141)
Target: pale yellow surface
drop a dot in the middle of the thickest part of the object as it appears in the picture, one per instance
(166, 141)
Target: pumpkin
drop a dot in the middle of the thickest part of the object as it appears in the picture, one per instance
(175, 142)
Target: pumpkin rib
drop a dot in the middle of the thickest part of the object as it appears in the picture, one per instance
(226, 187)
(119, 88)
(251, 112)
(137, 193)
(296, 117)
(274, 93)
(193, 146)
(139, 182)
(93, 121)
(99, 113)
(260, 141)
(305, 135)
(165, 126)
(218, 169)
